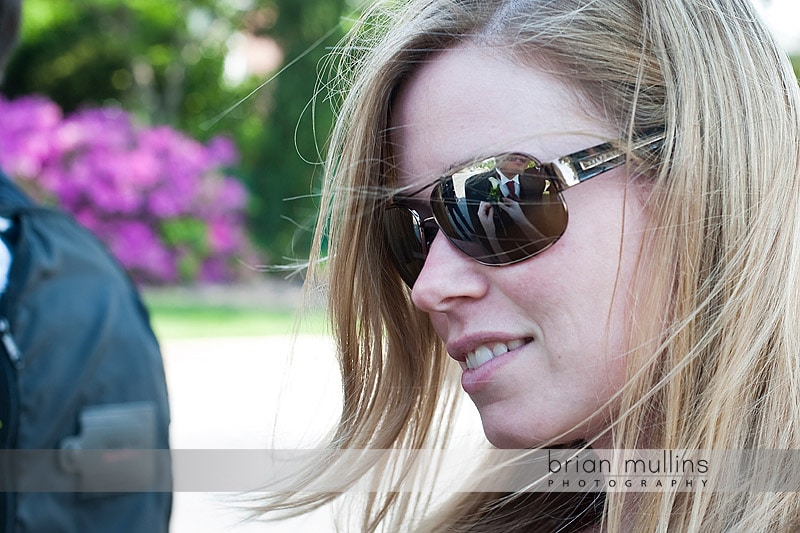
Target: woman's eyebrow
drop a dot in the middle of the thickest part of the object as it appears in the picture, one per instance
(412, 191)
(418, 201)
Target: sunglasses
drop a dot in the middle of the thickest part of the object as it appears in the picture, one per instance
(494, 218)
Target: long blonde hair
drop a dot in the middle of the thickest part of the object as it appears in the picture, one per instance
(718, 367)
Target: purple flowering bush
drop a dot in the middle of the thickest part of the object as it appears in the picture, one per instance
(160, 200)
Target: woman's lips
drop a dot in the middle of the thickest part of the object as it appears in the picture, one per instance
(486, 352)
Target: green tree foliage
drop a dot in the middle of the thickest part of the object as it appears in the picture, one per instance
(285, 186)
(135, 52)
(165, 63)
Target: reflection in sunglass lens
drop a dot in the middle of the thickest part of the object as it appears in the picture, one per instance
(479, 220)
(496, 224)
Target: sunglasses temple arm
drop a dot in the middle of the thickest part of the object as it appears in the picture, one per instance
(581, 166)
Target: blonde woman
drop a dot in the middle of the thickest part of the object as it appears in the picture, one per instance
(659, 312)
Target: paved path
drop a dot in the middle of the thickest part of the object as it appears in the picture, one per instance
(224, 394)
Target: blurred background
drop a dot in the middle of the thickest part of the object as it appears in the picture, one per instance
(141, 117)
(188, 135)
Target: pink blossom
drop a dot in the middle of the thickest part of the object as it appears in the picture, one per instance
(126, 183)
(222, 151)
(223, 237)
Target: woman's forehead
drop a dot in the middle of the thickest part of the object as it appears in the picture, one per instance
(464, 104)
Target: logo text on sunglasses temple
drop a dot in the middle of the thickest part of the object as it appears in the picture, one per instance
(598, 159)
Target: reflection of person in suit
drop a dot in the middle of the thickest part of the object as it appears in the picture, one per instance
(507, 203)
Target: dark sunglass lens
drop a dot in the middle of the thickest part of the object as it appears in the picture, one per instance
(429, 230)
(402, 230)
(497, 223)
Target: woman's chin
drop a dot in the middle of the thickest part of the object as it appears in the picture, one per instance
(507, 439)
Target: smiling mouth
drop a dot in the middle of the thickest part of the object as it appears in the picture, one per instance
(486, 352)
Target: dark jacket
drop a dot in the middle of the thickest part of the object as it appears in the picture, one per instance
(80, 367)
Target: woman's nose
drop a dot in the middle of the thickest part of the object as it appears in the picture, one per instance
(447, 277)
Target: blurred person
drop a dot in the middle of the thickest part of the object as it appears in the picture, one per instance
(80, 369)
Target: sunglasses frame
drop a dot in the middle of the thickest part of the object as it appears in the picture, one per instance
(566, 171)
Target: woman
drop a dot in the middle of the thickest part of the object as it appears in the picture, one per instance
(660, 315)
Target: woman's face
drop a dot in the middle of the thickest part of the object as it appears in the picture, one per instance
(562, 316)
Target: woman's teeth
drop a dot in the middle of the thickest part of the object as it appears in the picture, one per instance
(486, 352)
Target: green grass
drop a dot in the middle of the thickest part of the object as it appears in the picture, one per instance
(176, 321)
